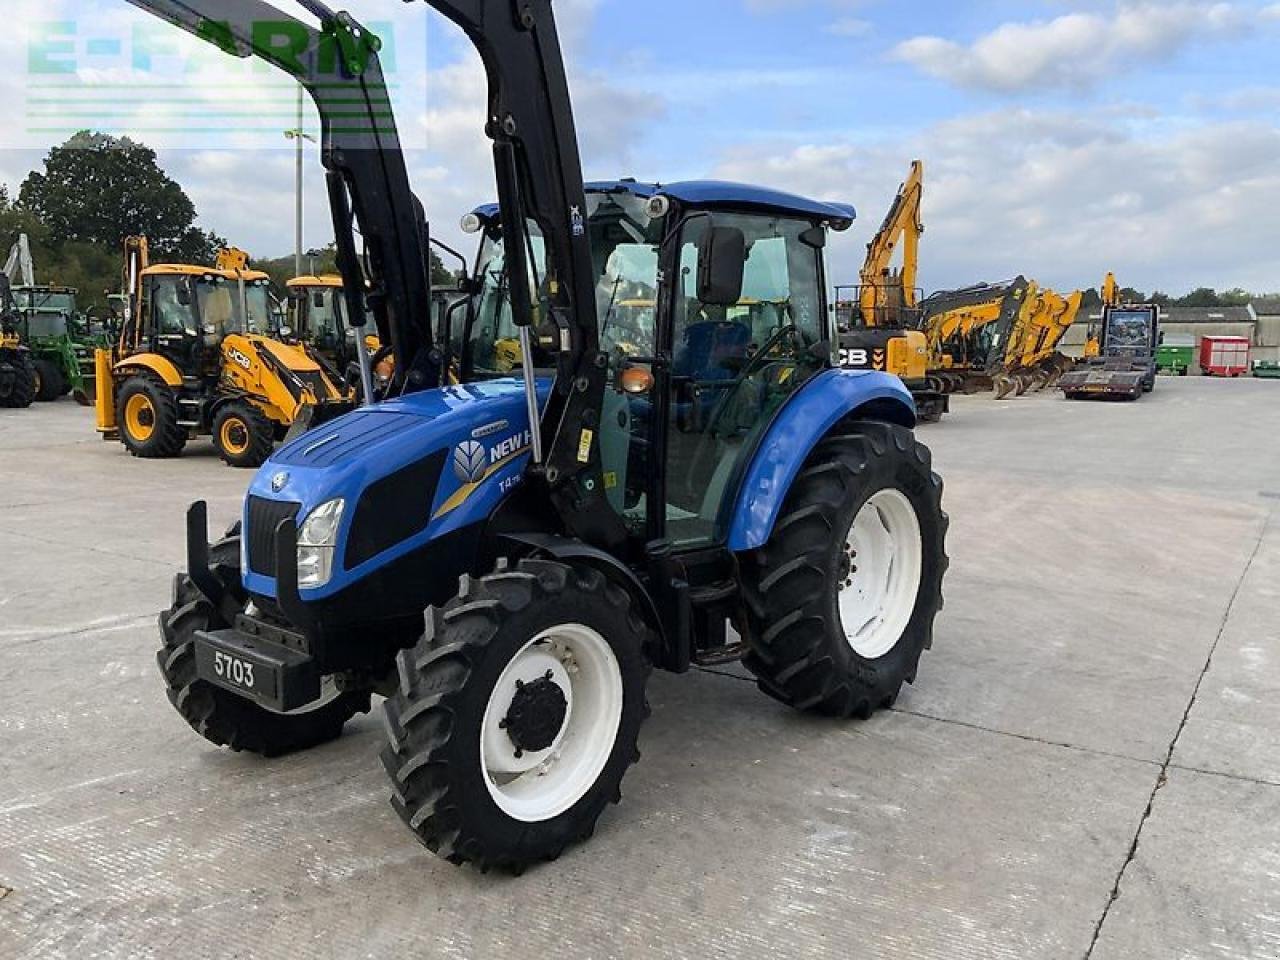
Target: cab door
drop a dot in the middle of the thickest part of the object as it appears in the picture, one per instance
(730, 371)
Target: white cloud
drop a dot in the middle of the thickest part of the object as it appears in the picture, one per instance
(1073, 50)
(1059, 197)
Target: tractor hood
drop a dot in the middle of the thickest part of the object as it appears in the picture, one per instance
(407, 470)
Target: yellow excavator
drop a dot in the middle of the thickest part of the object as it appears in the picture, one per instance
(998, 336)
(878, 320)
(1031, 357)
(194, 359)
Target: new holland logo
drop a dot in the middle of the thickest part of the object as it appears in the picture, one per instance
(470, 461)
(278, 482)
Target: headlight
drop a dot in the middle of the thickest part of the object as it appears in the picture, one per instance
(317, 542)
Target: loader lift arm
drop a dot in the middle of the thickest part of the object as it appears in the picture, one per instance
(538, 173)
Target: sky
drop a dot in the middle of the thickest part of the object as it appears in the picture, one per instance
(1061, 138)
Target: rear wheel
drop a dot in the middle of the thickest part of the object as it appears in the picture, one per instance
(147, 416)
(222, 717)
(49, 381)
(841, 600)
(517, 715)
(17, 380)
(243, 435)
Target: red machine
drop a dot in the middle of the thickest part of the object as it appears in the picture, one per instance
(1224, 356)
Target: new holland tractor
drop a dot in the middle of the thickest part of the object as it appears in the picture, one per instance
(504, 560)
(193, 359)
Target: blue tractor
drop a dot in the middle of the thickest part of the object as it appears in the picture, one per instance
(503, 554)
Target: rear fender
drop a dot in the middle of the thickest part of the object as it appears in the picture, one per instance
(800, 425)
(162, 367)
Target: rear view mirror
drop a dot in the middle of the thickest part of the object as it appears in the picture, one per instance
(183, 292)
(317, 299)
(722, 262)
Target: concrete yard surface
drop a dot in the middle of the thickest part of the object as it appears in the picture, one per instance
(1087, 767)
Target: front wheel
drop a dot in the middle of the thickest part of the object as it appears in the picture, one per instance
(148, 416)
(243, 435)
(841, 600)
(517, 715)
(220, 716)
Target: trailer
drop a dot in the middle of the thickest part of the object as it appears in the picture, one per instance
(1175, 354)
(1224, 356)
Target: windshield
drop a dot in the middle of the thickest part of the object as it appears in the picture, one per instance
(624, 247)
(493, 342)
(1129, 328)
(258, 300)
(28, 299)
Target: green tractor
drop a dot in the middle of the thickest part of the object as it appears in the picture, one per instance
(60, 339)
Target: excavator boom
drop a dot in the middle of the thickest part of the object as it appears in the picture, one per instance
(887, 293)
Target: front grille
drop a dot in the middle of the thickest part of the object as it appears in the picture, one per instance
(264, 516)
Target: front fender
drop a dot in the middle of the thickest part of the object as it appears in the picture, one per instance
(806, 418)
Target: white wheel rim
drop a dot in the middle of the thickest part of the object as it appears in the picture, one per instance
(881, 568)
(541, 785)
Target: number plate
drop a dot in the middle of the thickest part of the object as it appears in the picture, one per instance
(254, 678)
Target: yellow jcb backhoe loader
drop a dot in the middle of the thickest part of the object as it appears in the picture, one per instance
(192, 360)
(879, 329)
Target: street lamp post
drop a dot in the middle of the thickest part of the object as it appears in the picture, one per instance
(297, 135)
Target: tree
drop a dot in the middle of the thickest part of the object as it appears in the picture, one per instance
(1200, 297)
(99, 189)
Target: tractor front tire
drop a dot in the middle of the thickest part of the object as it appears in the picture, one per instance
(147, 416)
(841, 599)
(243, 435)
(222, 717)
(517, 714)
(49, 381)
(20, 384)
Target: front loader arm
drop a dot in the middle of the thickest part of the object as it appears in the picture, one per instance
(539, 176)
(339, 67)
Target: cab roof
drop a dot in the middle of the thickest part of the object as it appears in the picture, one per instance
(718, 193)
(726, 193)
(191, 270)
(325, 280)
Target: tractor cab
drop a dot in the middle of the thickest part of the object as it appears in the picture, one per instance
(46, 311)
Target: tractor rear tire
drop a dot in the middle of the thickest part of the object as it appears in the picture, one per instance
(147, 416)
(823, 635)
(498, 755)
(49, 381)
(20, 385)
(243, 435)
(222, 717)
